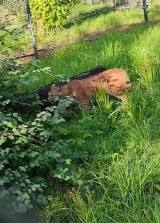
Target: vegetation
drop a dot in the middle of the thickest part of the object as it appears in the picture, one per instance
(52, 14)
(101, 166)
(13, 34)
(86, 22)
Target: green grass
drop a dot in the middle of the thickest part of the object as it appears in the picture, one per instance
(136, 50)
(84, 20)
(88, 24)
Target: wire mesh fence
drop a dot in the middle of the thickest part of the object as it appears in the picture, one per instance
(114, 2)
(16, 32)
(14, 27)
(15, 6)
(119, 3)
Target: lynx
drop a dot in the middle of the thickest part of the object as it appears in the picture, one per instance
(115, 82)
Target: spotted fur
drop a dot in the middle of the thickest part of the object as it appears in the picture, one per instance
(114, 81)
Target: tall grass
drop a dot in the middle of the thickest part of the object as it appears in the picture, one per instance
(136, 50)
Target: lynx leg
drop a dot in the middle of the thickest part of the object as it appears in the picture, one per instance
(85, 104)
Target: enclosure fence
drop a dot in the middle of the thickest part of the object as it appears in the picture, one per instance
(15, 23)
(16, 27)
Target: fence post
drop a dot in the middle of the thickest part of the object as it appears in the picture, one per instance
(144, 7)
(115, 5)
(31, 29)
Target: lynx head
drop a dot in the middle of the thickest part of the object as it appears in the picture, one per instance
(60, 91)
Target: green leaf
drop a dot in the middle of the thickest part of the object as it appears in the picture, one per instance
(28, 181)
(11, 137)
(25, 196)
(16, 132)
(22, 155)
(22, 168)
(2, 140)
(23, 131)
(46, 133)
(21, 140)
(9, 124)
(17, 174)
(1, 166)
(34, 123)
(15, 115)
(68, 161)
(34, 154)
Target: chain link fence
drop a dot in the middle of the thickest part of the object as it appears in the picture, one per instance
(16, 32)
(15, 6)
(119, 3)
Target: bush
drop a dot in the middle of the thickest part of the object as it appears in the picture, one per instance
(52, 14)
(35, 149)
(31, 152)
(11, 38)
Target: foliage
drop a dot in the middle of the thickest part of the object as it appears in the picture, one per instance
(41, 148)
(11, 38)
(27, 146)
(17, 7)
(15, 75)
(53, 14)
(31, 147)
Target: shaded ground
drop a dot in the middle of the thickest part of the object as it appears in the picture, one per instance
(79, 19)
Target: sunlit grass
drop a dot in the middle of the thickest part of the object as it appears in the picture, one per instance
(101, 22)
(137, 50)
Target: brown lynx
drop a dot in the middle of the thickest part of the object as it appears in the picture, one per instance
(114, 81)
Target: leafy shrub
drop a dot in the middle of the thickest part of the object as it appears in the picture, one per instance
(52, 14)
(29, 150)
(15, 75)
(35, 149)
(11, 38)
